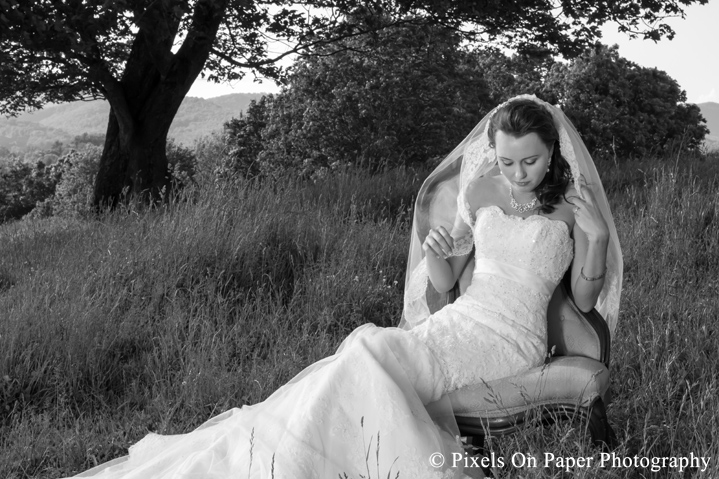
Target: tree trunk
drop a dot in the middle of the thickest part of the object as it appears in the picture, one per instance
(134, 162)
(130, 165)
(146, 99)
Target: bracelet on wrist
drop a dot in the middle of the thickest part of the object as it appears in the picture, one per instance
(594, 278)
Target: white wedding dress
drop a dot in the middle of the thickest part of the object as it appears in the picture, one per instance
(378, 406)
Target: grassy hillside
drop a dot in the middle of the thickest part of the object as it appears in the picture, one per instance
(197, 117)
(158, 320)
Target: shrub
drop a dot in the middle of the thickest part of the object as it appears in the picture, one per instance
(23, 185)
(400, 97)
(182, 164)
(73, 193)
(243, 136)
(625, 110)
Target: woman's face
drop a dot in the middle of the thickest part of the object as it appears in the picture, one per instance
(522, 160)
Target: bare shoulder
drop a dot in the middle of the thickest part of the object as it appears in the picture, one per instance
(482, 192)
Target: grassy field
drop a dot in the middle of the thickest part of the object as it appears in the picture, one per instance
(157, 320)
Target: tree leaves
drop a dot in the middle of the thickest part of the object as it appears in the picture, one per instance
(402, 96)
(70, 39)
(143, 56)
(625, 110)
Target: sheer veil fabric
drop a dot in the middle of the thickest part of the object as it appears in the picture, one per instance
(442, 198)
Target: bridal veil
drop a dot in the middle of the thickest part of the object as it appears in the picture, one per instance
(442, 197)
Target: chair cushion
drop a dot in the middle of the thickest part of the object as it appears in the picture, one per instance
(573, 380)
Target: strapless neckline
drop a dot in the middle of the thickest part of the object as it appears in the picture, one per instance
(563, 224)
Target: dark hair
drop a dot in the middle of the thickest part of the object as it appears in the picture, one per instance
(521, 117)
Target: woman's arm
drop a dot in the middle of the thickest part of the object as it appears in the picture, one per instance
(444, 273)
(590, 258)
(444, 270)
(591, 239)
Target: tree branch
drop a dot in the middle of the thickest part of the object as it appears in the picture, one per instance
(197, 46)
(300, 47)
(115, 94)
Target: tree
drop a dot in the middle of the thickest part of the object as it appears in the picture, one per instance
(22, 186)
(72, 193)
(394, 98)
(244, 138)
(143, 55)
(623, 109)
(509, 76)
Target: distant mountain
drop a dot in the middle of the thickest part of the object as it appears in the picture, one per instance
(235, 101)
(710, 111)
(18, 135)
(197, 117)
(40, 129)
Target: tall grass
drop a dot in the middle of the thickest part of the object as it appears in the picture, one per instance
(155, 320)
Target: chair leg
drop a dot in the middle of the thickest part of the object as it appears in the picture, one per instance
(478, 444)
(599, 428)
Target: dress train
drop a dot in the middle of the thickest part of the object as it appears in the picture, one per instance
(374, 409)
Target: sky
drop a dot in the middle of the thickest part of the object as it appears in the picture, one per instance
(690, 58)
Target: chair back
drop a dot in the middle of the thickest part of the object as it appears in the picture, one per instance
(572, 332)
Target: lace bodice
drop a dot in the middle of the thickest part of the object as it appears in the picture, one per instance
(536, 243)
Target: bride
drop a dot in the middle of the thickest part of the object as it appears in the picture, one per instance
(522, 191)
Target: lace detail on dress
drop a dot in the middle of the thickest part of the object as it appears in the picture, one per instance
(498, 328)
(464, 211)
(415, 308)
(475, 342)
(609, 298)
(565, 147)
(463, 245)
(546, 251)
(477, 156)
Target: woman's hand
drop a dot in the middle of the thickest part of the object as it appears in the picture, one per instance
(438, 242)
(588, 216)
(443, 268)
